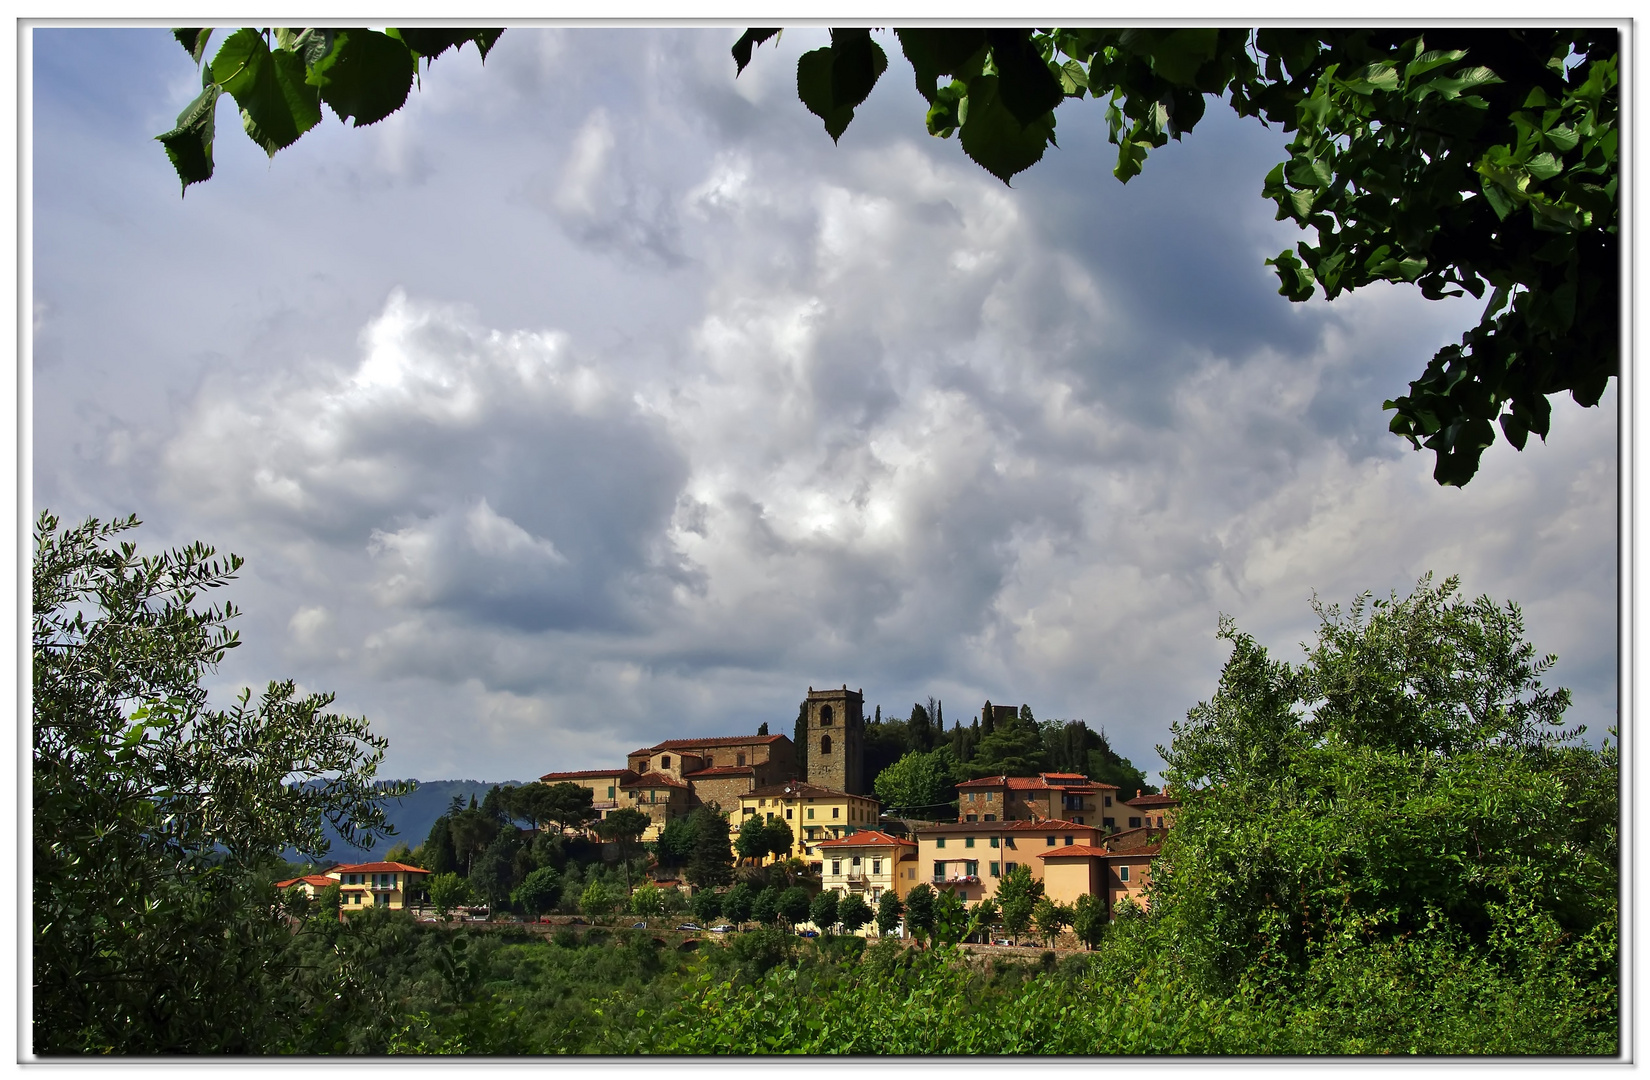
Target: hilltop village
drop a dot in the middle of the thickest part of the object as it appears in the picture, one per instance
(1061, 833)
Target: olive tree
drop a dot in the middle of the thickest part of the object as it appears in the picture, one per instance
(154, 813)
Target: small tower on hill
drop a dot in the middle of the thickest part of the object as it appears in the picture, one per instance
(836, 739)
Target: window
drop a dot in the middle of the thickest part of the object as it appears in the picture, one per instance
(812, 833)
(747, 810)
(1123, 874)
(939, 841)
(970, 796)
(856, 860)
(664, 761)
(824, 744)
(1134, 823)
(994, 842)
(910, 873)
(836, 811)
(1009, 868)
(1110, 823)
(1160, 821)
(825, 716)
(972, 817)
(876, 866)
(996, 869)
(1069, 841)
(939, 870)
(991, 817)
(790, 814)
(741, 759)
(968, 841)
(1050, 840)
(836, 866)
(810, 813)
(610, 791)
(971, 868)
(990, 795)
(1108, 800)
(1079, 819)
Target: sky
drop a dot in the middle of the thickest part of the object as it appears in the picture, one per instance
(597, 398)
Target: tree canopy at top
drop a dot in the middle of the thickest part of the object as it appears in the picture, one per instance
(1462, 160)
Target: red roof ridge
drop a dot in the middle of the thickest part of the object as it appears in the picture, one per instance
(583, 774)
(720, 770)
(375, 868)
(866, 838)
(648, 778)
(1072, 849)
(711, 740)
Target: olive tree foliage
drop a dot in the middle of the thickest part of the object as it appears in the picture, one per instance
(1463, 160)
(1413, 776)
(154, 814)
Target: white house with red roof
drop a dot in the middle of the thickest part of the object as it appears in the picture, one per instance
(869, 863)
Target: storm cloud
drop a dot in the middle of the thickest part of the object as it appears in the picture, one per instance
(598, 398)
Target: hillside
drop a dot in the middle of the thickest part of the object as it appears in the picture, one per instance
(412, 815)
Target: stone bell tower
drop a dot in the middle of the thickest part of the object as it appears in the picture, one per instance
(836, 739)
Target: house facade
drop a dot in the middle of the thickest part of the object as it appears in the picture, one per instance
(971, 857)
(868, 863)
(814, 813)
(1119, 866)
(1149, 811)
(390, 885)
(1064, 796)
(605, 786)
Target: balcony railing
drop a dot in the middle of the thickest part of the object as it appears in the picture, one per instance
(956, 879)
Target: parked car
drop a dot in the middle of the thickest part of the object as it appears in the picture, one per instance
(690, 926)
(721, 928)
(808, 933)
(639, 925)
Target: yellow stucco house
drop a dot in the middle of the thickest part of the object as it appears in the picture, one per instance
(814, 813)
(390, 885)
(868, 863)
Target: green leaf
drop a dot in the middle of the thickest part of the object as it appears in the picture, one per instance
(1296, 279)
(813, 86)
(857, 63)
(1131, 158)
(193, 41)
(936, 52)
(311, 45)
(994, 137)
(1026, 86)
(1177, 55)
(430, 42)
(276, 105)
(189, 144)
(748, 41)
(367, 76)
(1544, 166)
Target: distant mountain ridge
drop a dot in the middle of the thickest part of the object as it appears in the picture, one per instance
(412, 815)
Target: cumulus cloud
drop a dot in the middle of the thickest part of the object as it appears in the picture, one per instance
(755, 411)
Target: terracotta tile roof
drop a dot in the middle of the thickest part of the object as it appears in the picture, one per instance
(1131, 839)
(320, 881)
(653, 779)
(1045, 825)
(1152, 802)
(376, 868)
(1075, 850)
(720, 770)
(1091, 851)
(718, 740)
(867, 838)
(583, 774)
(1061, 782)
(801, 788)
